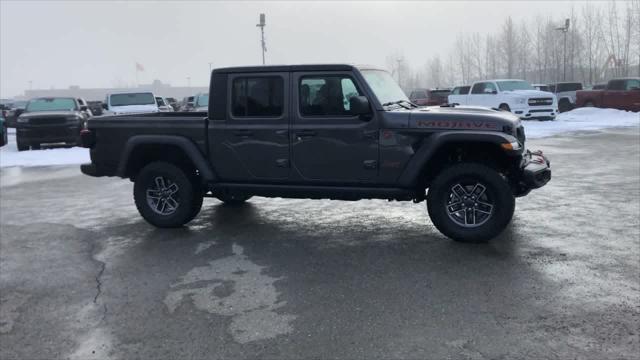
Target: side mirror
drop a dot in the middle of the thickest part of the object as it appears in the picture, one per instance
(104, 106)
(359, 105)
(84, 108)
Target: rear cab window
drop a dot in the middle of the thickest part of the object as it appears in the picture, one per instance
(257, 96)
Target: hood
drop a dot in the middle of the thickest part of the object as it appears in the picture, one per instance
(40, 114)
(130, 109)
(529, 93)
(462, 118)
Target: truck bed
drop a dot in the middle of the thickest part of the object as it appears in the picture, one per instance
(113, 132)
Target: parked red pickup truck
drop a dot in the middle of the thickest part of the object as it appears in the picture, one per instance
(623, 94)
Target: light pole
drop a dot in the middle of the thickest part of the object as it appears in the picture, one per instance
(189, 82)
(30, 84)
(564, 30)
(210, 67)
(399, 60)
(261, 25)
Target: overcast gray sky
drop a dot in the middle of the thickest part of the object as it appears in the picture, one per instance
(97, 43)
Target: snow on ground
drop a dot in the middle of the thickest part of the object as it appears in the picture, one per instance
(10, 156)
(582, 119)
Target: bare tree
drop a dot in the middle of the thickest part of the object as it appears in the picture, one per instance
(509, 46)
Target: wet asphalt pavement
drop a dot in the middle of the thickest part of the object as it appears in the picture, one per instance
(82, 276)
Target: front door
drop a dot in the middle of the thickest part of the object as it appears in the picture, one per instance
(252, 143)
(328, 143)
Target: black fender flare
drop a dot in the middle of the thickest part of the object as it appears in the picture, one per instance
(432, 144)
(189, 148)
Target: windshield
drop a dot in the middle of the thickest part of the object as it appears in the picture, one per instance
(132, 99)
(51, 104)
(514, 85)
(203, 100)
(384, 87)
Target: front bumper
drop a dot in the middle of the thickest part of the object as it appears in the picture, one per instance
(537, 112)
(48, 134)
(535, 172)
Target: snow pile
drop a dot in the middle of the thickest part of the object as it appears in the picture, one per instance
(10, 156)
(581, 119)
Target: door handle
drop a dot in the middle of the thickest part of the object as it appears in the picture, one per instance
(243, 133)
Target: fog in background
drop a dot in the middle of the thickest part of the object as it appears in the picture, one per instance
(97, 43)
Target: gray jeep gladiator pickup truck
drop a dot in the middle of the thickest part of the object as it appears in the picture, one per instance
(321, 132)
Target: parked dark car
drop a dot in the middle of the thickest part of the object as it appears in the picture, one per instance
(95, 107)
(321, 131)
(4, 134)
(429, 97)
(14, 110)
(50, 120)
(623, 94)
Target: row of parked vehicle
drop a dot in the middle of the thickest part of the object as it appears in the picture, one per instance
(538, 101)
(49, 120)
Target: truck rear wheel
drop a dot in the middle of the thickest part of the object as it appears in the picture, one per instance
(166, 196)
(470, 202)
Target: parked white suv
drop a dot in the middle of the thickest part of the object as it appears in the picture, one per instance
(130, 103)
(517, 96)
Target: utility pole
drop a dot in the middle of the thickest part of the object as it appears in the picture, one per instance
(210, 67)
(261, 25)
(189, 82)
(564, 30)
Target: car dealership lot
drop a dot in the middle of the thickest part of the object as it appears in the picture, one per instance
(83, 276)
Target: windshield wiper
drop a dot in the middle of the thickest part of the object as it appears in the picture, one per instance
(401, 103)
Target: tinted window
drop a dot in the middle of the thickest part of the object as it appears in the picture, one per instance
(511, 85)
(326, 95)
(633, 84)
(483, 88)
(257, 96)
(616, 85)
(132, 99)
(569, 87)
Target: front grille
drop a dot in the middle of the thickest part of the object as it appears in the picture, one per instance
(540, 101)
(540, 110)
(53, 120)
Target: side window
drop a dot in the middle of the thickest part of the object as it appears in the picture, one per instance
(478, 88)
(489, 88)
(616, 85)
(456, 91)
(326, 95)
(257, 96)
(633, 84)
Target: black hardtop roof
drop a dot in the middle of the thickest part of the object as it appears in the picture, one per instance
(288, 68)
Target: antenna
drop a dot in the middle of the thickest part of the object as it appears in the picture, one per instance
(261, 25)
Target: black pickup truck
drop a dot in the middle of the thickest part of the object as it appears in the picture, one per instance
(321, 132)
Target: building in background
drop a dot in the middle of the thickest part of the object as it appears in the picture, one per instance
(94, 94)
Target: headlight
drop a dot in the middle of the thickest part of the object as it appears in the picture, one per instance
(23, 120)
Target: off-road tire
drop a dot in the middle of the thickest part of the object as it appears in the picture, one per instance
(21, 146)
(564, 105)
(188, 195)
(233, 199)
(36, 146)
(497, 189)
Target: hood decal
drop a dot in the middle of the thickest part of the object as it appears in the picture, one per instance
(457, 124)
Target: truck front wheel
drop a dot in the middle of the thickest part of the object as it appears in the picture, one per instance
(165, 195)
(470, 202)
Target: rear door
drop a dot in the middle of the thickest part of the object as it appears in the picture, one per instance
(328, 144)
(251, 143)
(482, 94)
